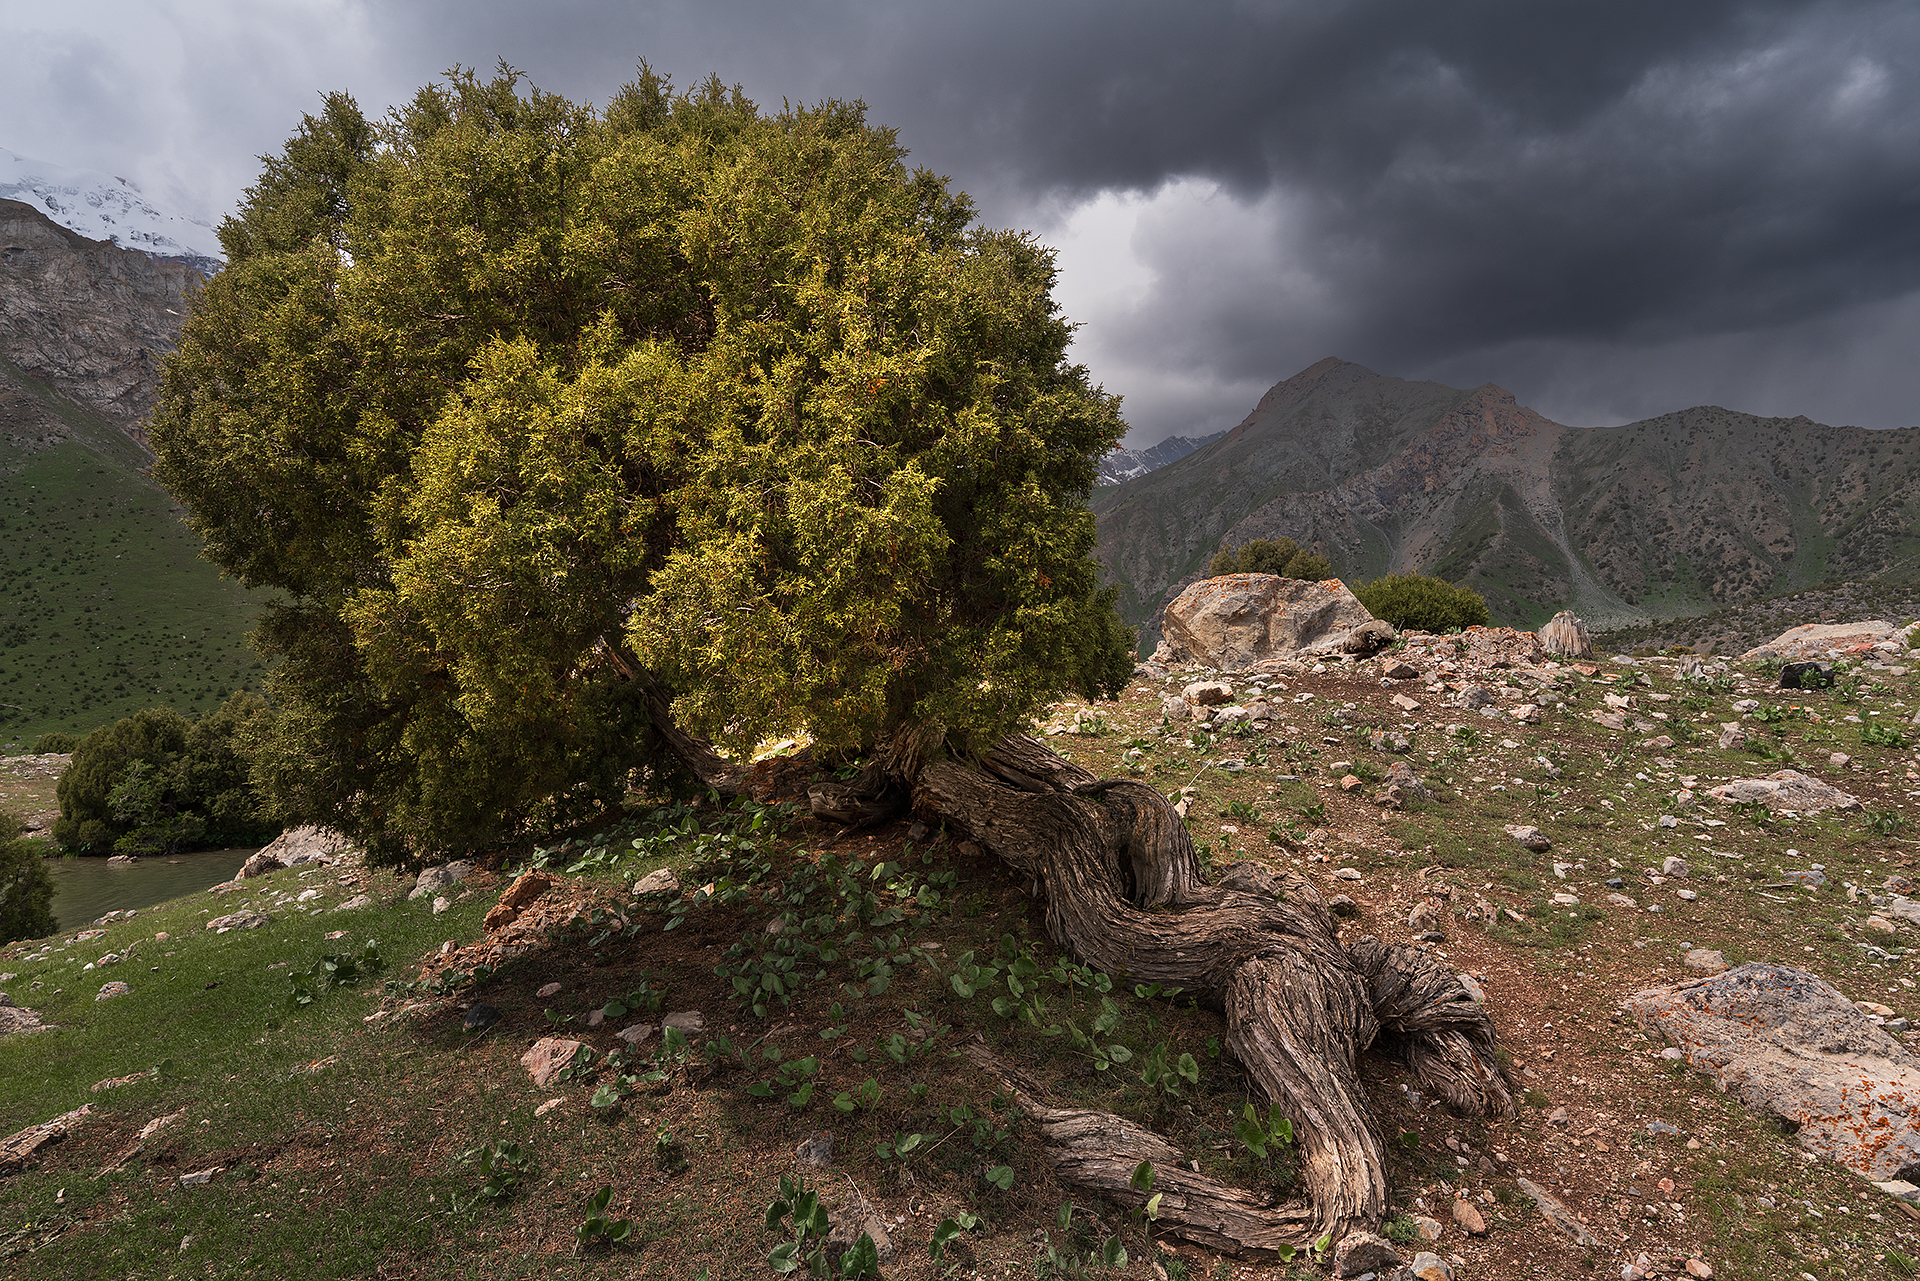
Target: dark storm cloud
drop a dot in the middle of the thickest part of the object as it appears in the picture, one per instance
(1596, 205)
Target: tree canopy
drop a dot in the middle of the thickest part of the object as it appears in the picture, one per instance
(1282, 557)
(526, 408)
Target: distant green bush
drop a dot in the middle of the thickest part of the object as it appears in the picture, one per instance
(48, 744)
(1415, 602)
(158, 783)
(1268, 556)
(26, 891)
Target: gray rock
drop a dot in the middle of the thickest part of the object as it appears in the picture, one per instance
(1232, 622)
(1368, 638)
(1471, 986)
(298, 846)
(662, 880)
(1785, 1042)
(239, 921)
(1176, 708)
(111, 990)
(816, 1149)
(481, 1017)
(850, 1222)
(1361, 1252)
(1474, 696)
(1208, 693)
(1807, 877)
(1530, 837)
(435, 879)
(688, 1021)
(259, 864)
(1565, 636)
(1343, 905)
(1557, 1213)
(1428, 1266)
(1705, 960)
(1732, 737)
(1661, 1127)
(1389, 740)
(1675, 867)
(358, 900)
(1785, 789)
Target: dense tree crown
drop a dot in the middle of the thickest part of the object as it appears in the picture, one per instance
(1415, 602)
(514, 401)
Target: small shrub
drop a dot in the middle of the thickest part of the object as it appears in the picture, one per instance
(55, 744)
(1875, 734)
(1268, 556)
(26, 891)
(1419, 603)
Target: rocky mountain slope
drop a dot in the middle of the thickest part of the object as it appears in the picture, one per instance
(1670, 516)
(105, 604)
(102, 207)
(1131, 464)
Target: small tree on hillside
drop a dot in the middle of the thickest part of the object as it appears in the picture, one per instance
(1416, 602)
(568, 435)
(1280, 557)
(26, 891)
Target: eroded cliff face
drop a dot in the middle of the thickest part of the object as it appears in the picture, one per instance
(85, 318)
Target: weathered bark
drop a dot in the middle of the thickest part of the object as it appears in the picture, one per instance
(1100, 1151)
(1124, 893)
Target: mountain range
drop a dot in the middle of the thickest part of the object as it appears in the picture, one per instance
(1668, 516)
(102, 207)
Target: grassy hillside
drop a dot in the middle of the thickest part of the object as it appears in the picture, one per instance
(105, 604)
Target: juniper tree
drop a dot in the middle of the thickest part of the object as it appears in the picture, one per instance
(571, 435)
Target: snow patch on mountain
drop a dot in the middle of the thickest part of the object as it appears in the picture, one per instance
(1130, 464)
(102, 207)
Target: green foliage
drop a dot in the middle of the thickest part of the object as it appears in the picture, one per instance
(1414, 602)
(513, 400)
(26, 891)
(1267, 556)
(1878, 734)
(504, 1166)
(54, 743)
(335, 969)
(598, 1227)
(158, 783)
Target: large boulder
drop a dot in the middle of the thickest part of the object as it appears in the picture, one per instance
(1234, 621)
(1782, 790)
(300, 845)
(1565, 636)
(1785, 1042)
(1827, 640)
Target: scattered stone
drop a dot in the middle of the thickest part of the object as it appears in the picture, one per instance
(547, 990)
(1389, 740)
(547, 1057)
(199, 1177)
(1175, 708)
(1530, 837)
(1565, 636)
(1343, 905)
(1557, 1214)
(816, 1149)
(1404, 703)
(1705, 961)
(637, 1035)
(1430, 1267)
(1839, 760)
(110, 990)
(1559, 1117)
(1208, 693)
(1784, 1041)
(1398, 670)
(17, 1018)
(441, 903)
(239, 921)
(1732, 736)
(481, 1017)
(1621, 900)
(357, 901)
(525, 889)
(1668, 821)
(434, 879)
(1808, 877)
(1567, 900)
(1686, 896)
(1785, 790)
(1658, 1128)
(687, 1021)
(1234, 621)
(1427, 914)
(1469, 1218)
(1676, 867)
(1659, 743)
(1471, 986)
(661, 880)
(1363, 1252)
(298, 846)
(259, 864)
(1699, 1268)
(1426, 1227)
(1526, 714)
(1402, 785)
(1879, 925)
(549, 1106)
(1473, 697)
(1350, 781)
(1348, 874)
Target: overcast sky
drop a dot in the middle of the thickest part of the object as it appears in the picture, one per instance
(1611, 210)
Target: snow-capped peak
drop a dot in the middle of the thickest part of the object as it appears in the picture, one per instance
(102, 207)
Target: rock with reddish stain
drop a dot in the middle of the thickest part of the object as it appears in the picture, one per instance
(522, 892)
(1469, 1218)
(547, 1057)
(1783, 1041)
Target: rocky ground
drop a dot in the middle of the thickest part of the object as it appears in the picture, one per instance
(1567, 835)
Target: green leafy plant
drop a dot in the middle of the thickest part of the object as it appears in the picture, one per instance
(1168, 1078)
(1887, 822)
(1881, 734)
(951, 1230)
(504, 1166)
(1258, 1135)
(810, 1228)
(335, 969)
(598, 1228)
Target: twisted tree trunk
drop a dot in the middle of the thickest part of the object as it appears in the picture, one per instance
(1124, 892)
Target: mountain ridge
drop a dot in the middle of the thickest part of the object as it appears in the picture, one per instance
(1664, 517)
